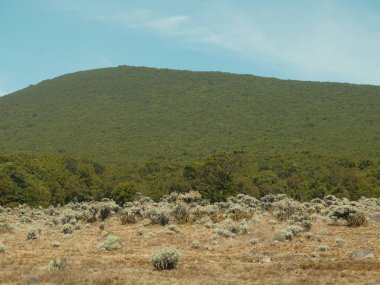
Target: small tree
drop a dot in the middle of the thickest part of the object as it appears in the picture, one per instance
(124, 192)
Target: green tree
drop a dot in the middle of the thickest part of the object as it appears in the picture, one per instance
(124, 192)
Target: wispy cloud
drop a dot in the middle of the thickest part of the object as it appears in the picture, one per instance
(324, 42)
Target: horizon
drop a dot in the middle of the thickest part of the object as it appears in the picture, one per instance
(331, 41)
(187, 70)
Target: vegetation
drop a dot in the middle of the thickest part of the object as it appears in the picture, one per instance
(57, 264)
(126, 131)
(121, 114)
(165, 258)
(45, 180)
(217, 243)
(51, 180)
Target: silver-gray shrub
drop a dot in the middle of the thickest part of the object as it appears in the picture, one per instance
(32, 233)
(235, 227)
(181, 213)
(130, 215)
(157, 216)
(295, 230)
(106, 208)
(195, 244)
(238, 212)
(111, 243)
(350, 214)
(165, 258)
(285, 208)
(67, 229)
(301, 220)
(173, 228)
(191, 197)
(245, 200)
(282, 235)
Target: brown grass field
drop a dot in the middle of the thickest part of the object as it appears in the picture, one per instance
(227, 261)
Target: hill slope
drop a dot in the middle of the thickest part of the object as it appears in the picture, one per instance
(133, 113)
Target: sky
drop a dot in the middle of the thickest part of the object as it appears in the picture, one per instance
(319, 40)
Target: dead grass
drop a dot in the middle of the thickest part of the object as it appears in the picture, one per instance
(232, 261)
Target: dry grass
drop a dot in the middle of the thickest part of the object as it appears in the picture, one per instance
(230, 261)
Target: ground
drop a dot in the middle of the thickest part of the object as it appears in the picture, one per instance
(219, 260)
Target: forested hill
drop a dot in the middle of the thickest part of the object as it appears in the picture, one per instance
(137, 114)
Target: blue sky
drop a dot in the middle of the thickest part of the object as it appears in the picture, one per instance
(321, 40)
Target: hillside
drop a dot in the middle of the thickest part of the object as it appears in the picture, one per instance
(136, 114)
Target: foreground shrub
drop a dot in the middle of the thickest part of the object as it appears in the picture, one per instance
(111, 243)
(165, 258)
(57, 264)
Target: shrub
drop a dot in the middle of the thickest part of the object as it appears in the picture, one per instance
(3, 248)
(294, 229)
(301, 220)
(158, 216)
(350, 214)
(283, 235)
(67, 229)
(356, 219)
(173, 228)
(190, 197)
(285, 208)
(308, 235)
(254, 241)
(165, 258)
(57, 264)
(181, 213)
(130, 216)
(339, 241)
(237, 212)
(235, 227)
(224, 232)
(32, 234)
(324, 248)
(195, 244)
(5, 227)
(111, 243)
(55, 244)
(89, 215)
